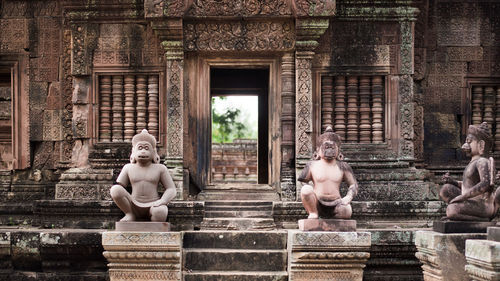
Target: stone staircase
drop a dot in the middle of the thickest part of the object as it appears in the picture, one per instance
(238, 207)
(235, 256)
(238, 215)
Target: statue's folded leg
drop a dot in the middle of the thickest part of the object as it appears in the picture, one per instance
(469, 210)
(343, 211)
(309, 201)
(449, 191)
(123, 200)
(159, 213)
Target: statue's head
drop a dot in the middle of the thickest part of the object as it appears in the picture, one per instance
(328, 145)
(479, 140)
(144, 148)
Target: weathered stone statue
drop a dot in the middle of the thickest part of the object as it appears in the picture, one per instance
(474, 198)
(327, 173)
(143, 174)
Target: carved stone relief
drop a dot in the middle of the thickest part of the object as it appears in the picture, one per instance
(240, 8)
(239, 36)
(14, 35)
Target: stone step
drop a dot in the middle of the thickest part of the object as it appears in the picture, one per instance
(238, 195)
(238, 214)
(234, 259)
(250, 203)
(236, 276)
(239, 186)
(216, 208)
(276, 240)
(238, 224)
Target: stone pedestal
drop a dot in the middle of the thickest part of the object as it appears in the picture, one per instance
(327, 225)
(327, 255)
(461, 226)
(142, 226)
(143, 255)
(443, 255)
(483, 258)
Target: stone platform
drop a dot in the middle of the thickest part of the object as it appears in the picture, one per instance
(483, 257)
(461, 226)
(143, 255)
(327, 225)
(443, 254)
(327, 255)
(142, 226)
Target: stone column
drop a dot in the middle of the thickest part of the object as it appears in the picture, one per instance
(483, 257)
(308, 32)
(327, 255)
(170, 33)
(443, 254)
(287, 127)
(143, 255)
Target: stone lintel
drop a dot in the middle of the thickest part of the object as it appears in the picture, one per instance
(142, 226)
(443, 254)
(461, 226)
(483, 259)
(327, 225)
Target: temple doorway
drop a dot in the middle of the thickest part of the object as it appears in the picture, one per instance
(240, 125)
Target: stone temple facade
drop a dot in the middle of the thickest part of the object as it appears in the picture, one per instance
(399, 81)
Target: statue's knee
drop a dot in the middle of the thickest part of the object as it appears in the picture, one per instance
(159, 213)
(306, 190)
(452, 210)
(117, 191)
(497, 196)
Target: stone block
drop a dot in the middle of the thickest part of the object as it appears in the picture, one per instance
(86, 184)
(461, 226)
(494, 233)
(443, 255)
(483, 259)
(327, 225)
(143, 255)
(327, 255)
(143, 226)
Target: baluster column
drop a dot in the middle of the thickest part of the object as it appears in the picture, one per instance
(153, 105)
(141, 109)
(489, 102)
(105, 108)
(377, 110)
(364, 109)
(352, 109)
(477, 101)
(129, 108)
(497, 120)
(117, 125)
(326, 102)
(340, 109)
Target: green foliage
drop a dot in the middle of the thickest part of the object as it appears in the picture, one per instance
(229, 125)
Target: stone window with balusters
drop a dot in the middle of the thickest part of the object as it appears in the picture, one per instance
(485, 107)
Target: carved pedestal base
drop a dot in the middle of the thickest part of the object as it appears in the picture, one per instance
(327, 255)
(142, 226)
(443, 255)
(483, 257)
(327, 225)
(143, 255)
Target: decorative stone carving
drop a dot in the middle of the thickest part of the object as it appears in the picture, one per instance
(315, 8)
(84, 184)
(143, 255)
(443, 255)
(14, 37)
(327, 255)
(483, 259)
(163, 8)
(239, 8)
(46, 65)
(275, 35)
(84, 41)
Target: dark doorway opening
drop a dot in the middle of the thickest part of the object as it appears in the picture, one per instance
(240, 82)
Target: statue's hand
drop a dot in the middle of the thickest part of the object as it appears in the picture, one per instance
(158, 203)
(458, 199)
(447, 178)
(345, 201)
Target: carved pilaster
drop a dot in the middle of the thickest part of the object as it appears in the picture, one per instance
(308, 32)
(170, 33)
(83, 42)
(406, 102)
(287, 128)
